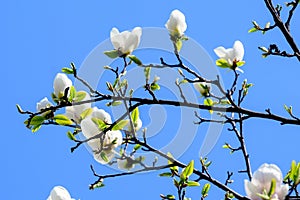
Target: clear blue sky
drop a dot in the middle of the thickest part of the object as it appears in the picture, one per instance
(38, 38)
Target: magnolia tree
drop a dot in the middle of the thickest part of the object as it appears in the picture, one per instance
(122, 141)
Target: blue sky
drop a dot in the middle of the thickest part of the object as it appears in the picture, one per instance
(41, 37)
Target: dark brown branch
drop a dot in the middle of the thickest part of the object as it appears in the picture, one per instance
(283, 28)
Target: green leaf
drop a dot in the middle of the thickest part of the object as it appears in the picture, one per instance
(209, 102)
(67, 70)
(222, 63)
(120, 125)
(272, 187)
(116, 103)
(79, 96)
(86, 113)
(288, 109)
(188, 170)
(171, 197)
(205, 189)
(166, 174)
(100, 123)
(178, 45)
(35, 128)
(104, 157)
(252, 30)
(71, 136)
(154, 86)
(137, 147)
(173, 168)
(37, 120)
(72, 94)
(240, 63)
(112, 54)
(135, 115)
(135, 59)
(263, 196)
(147, 72)
(192, 183)
(62, 120)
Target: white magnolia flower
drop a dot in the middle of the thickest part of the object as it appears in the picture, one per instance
(59, 193)
(261, 181)
(203, 88)
(125, 41)
(112, 139)
(176, 24)
(126, 163)
(231, 55)
(101, 114)
(44, 103)
(74, 112)
(61, 82)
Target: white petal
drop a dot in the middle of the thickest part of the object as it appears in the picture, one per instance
(59, 193)
(176, 23)
(61, 82)
(73, 112)
(101, 114)
(110, 155)
(89, 128)
(44, 103)
(221, 52)
(282, 191)
(251, 190)
(238, 50)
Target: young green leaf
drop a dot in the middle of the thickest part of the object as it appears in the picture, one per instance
(104, 157)
(252, 30)
(205, 190)
(72, 93)
(154, 86)
(37, 120)
(208, 102)
(120, 125)
(222, 63)
(79, 96)
(272, 187)
(192, 183)
(188, 170)
(135, 114)
(166, 174)
(100, 123)
(116, 103)
(71, 136)
(86, 113)
(178, 45)
(137, 147)
(135, 59)
(62, 120)
(67, 70)
(147, 72)
(112, 54)
(35, 128)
